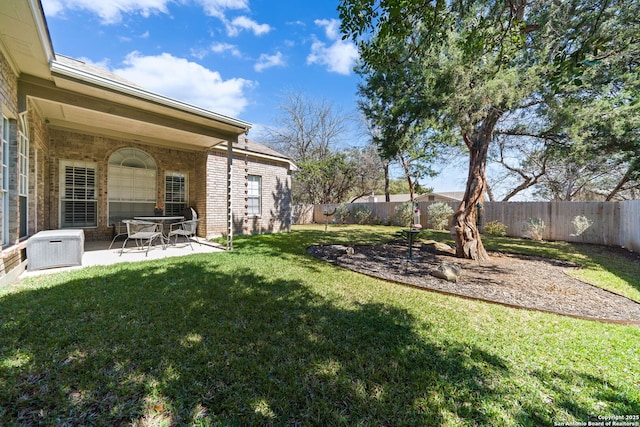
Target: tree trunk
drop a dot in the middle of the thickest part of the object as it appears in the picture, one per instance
(625, 179)
(405, 166)
(463, 224)
(490, 192)
(387, 196)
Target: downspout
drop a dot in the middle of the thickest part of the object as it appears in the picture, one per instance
(229, 196)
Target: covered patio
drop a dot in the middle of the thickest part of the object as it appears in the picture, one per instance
(97, 252)
(83, 148)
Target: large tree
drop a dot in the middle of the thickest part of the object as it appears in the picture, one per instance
(311, 132)
(329, 179)
(453, 69)
(370, 171)
(582, 144)
(307, 128)
(410, 148)
(548, 170)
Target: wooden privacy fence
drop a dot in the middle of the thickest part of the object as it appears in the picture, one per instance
(629, 230)
(605, 223)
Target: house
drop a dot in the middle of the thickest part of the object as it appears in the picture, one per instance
(82, 148)
(452, 196)
(444, 196)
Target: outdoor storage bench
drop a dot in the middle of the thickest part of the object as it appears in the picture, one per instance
(55, 248)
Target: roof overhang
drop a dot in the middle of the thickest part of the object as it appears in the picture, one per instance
(264, 156)
(72, 95)
(88, 108)
(84, 102)
(24, 37)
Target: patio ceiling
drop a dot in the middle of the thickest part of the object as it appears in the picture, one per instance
(131, 124)
(70, 94)
(24, 38)
(98, 102)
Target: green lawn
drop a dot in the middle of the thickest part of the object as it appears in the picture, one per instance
(267, 335)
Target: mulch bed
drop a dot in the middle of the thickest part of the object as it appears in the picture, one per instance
(508, 279)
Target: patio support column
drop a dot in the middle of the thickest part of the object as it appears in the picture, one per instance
(229, 195)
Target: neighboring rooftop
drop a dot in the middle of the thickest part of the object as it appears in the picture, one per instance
(447, 196)
(94, 69)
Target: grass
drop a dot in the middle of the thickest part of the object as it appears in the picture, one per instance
(267, 335)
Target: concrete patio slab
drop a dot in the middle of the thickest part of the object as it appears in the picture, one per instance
(98, 253)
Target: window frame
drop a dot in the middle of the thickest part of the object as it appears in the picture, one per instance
(4, 165)
(64, 164)
(254, 193)
(23, 182)
(132, 181)
(175, 201)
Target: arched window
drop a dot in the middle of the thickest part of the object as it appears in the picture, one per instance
(132, 184)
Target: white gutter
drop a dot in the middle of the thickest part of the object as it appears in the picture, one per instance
(144, 94)
(43, 29)
(292, 165)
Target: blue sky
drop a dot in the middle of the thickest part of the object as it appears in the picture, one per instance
(234, 57)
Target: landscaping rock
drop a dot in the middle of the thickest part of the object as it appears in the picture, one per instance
(448, 271)
(433, 246)
(344, 250)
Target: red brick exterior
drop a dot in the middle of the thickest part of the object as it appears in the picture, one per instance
(206, 171)
(207, 183)
(12, 255)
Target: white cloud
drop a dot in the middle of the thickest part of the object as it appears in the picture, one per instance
(110, 12)
(331, 27)
(339, 56)
(226, 47)
(217, 7)
(267, 61)
(166, 74)
(243, 23)
(217, 48)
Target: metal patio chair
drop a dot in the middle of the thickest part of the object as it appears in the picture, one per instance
(119, 230)
(187, 229)
(143, 233)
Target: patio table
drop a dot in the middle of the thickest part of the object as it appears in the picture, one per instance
(161, 220)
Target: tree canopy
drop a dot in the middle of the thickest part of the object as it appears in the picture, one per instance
(453, 70)
(312, 132)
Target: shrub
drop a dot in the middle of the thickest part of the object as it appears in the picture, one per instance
(342, 214)
(439, 215)
(534, 228)
(495, 228)
(376, 220)
(361, 215)
(404, 214)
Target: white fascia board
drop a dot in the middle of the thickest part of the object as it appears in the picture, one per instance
(144, 94)
(42, 28)
(223, 147)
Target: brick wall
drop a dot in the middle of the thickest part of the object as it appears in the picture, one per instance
(9, 108)
(67, 145)
(8, 86)
(276, 194)
(207, 183)
(11, 255)
(199, 203)
(216, 193)
(39, 174)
